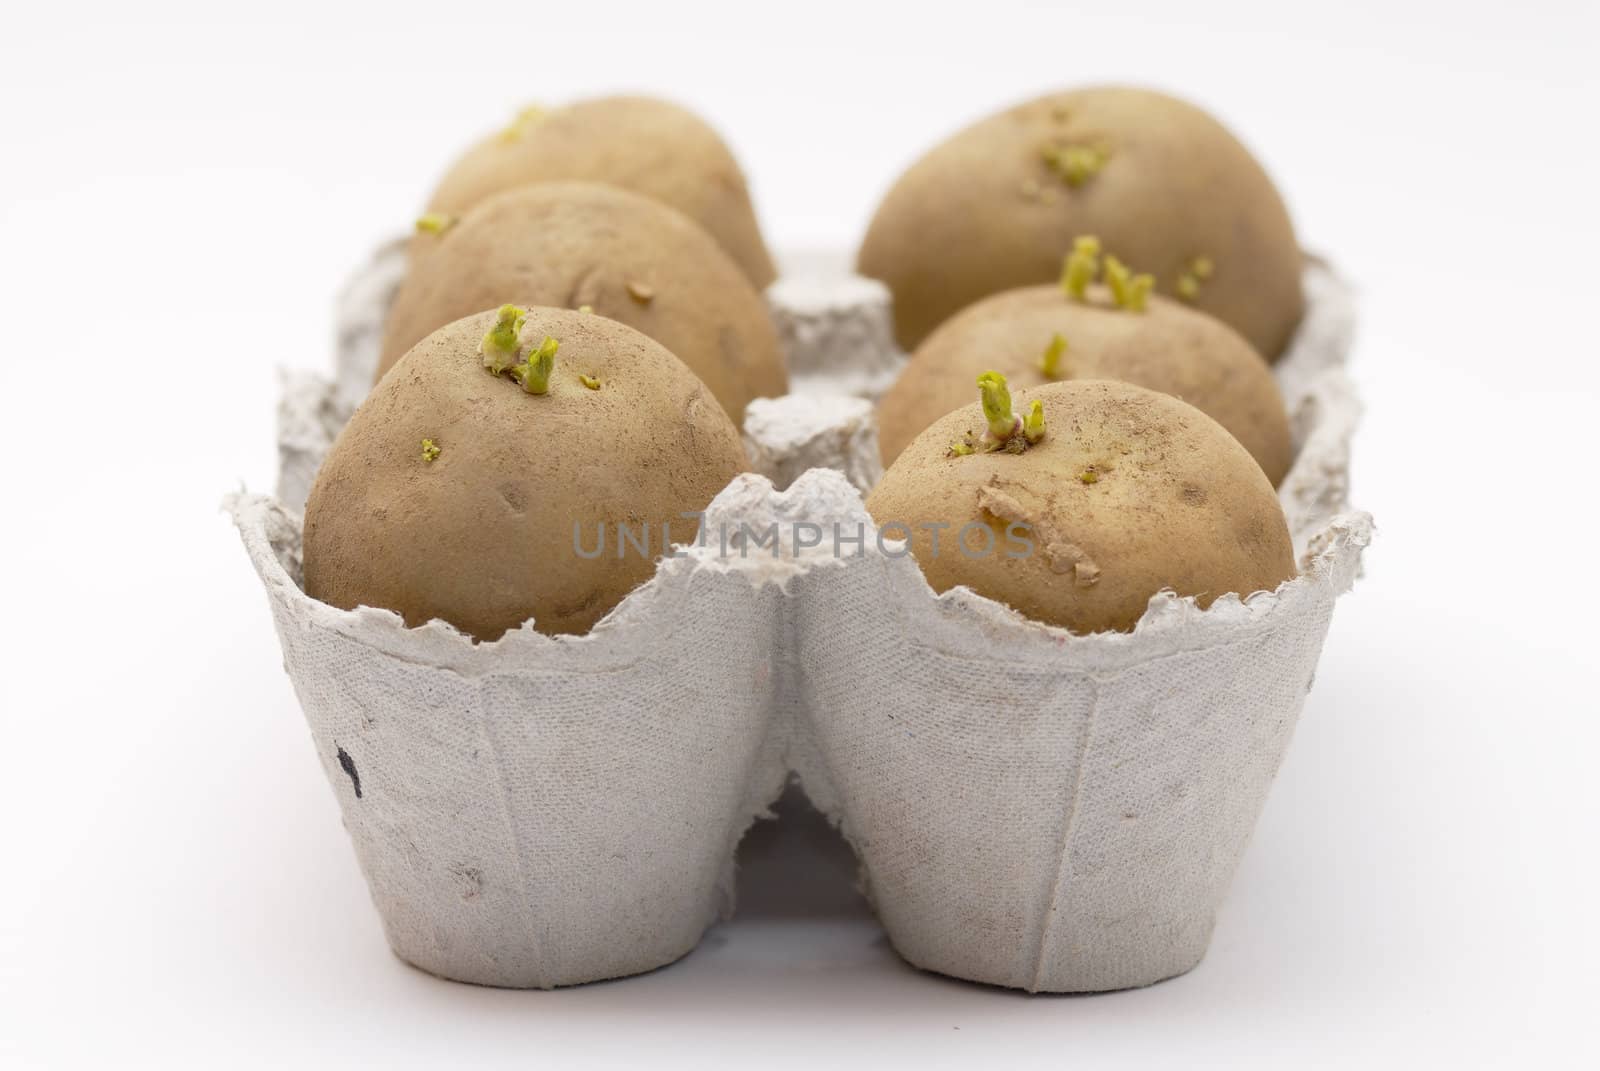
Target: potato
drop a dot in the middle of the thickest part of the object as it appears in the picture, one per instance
(1127, 492)
(631, 259)
(1163, 185)
(1169, 348)
(455, 493)
(648, 146)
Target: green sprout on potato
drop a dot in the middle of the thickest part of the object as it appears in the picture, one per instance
(1007, 431)
(1033, 423)
(526, 120)
(1050, 360)
(1189, 281)
(499, 347)
(434, 223)
(589, 381)
(1081, 267)
(534, 373)
(996, 399)
(503, 342)
(430, 450)
(1128, 290)
(1076, 164)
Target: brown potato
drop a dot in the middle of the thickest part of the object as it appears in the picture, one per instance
(1128, 493)
(1168, 347)
(648, 146)
(1164, 186)
(453, 493)
(630, 258)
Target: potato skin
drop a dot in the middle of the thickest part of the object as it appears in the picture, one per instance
(649, 146)
(482, 536)
(1169, 348)
(570, 244)
(983, 212)
(1175, 503)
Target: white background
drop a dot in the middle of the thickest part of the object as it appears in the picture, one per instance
(185, 187)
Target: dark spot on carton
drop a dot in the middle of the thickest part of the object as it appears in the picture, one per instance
(470, 880)
(348, 765)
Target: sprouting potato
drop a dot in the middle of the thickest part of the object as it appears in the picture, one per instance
(484, 480)
(641, 144)
(1036, 335)
(1077, 501)
(620, 255)
(1161, 183)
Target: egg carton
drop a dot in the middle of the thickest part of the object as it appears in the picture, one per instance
(1030, 808)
